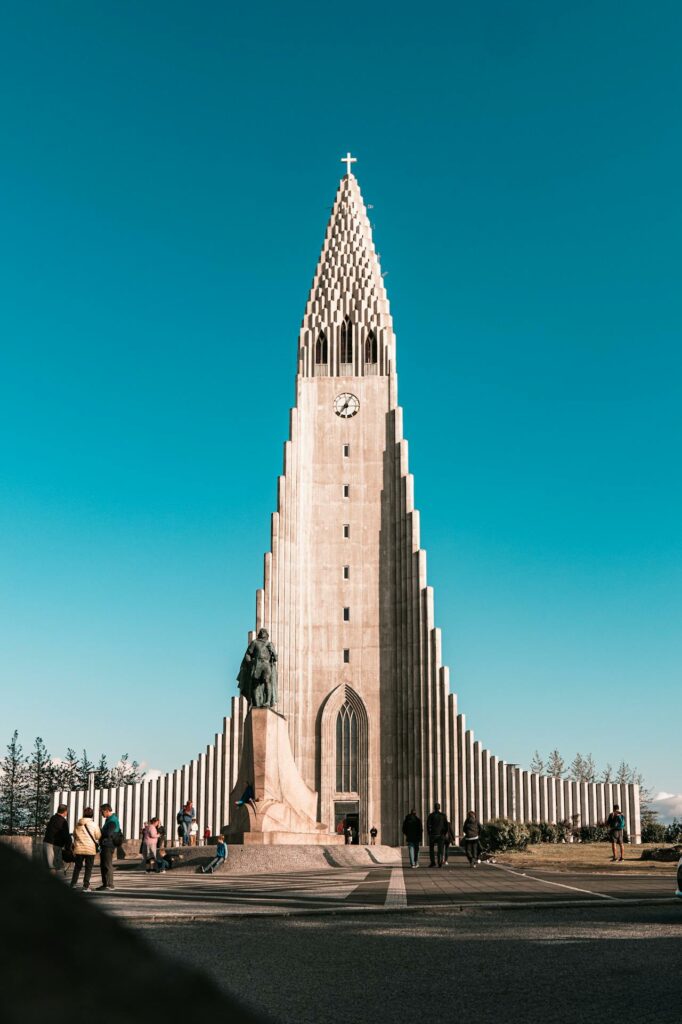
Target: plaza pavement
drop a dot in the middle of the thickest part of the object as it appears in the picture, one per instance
(185, 895)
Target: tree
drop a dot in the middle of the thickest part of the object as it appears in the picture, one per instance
(125, 772)
(537, 765)
(556, 766)
(13, 789)
(607, 774)
(583, 768)
(102, 773)
(85, 767)
(66, 771)
(39, 782)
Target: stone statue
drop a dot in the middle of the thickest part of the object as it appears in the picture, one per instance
(257, 677)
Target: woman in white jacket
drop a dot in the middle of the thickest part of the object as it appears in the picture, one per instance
(85, 837)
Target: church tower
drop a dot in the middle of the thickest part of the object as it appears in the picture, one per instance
(345, 597)
(373, 727)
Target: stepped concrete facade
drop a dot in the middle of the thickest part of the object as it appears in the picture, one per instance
(373, 727)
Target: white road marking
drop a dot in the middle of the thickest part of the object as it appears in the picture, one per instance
(561, 885)
(396, 896)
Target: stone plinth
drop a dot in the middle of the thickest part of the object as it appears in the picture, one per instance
(284, 809)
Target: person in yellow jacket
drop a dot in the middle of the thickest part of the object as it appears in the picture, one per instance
(85, 838)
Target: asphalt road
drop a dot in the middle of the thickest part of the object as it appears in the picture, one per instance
(604, 962)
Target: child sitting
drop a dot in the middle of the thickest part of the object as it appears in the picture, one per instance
(219, 859)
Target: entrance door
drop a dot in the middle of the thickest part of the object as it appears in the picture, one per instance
(347, 816)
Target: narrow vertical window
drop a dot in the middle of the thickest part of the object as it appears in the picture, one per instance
(346, 451)
(346, 572)
(371, 349)
(346, 530)
(321, 348)
(346, 490)
(346, 655)
(347, 750)
(346, 614)
(346, 341)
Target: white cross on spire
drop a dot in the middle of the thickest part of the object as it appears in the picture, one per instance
(348, 160)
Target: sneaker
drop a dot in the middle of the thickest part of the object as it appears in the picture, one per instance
(86, 889)
(104, 888)
(678, 892)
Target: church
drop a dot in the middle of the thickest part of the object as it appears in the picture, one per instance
(373, 726)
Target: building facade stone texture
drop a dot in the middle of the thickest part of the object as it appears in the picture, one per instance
(374, 728)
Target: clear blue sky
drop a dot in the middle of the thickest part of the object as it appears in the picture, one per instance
(167, 171)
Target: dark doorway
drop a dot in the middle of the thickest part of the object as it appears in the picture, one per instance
(347, 816)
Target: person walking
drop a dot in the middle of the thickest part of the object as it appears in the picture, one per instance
(413, 832)
(186, 816)
(219, 859)
(472, 832)
(616, 826)
(85, 838)
(56, 837)
(373, 833)
(110, 839)
(435, 827)
(449, 838)
(150, 841)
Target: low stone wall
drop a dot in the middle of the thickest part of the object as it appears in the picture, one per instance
(22, 844)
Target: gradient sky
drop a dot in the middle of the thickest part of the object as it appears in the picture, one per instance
(167, 171)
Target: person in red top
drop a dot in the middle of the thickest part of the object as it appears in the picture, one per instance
(207, 835)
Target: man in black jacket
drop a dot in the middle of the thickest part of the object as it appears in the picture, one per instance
(436, 824)
(413, 832)
(56, 837)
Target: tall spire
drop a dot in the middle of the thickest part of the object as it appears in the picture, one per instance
(348, 287)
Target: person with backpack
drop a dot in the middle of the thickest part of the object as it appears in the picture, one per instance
(616, 826)
(413, 831)
(56, 837)
(472, 831)
(85, 839)
(373, 833)
(111, 839)
(436, 823)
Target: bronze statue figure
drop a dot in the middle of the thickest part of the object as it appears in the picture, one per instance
(257, 677)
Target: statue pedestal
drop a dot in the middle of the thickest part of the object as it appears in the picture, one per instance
(285, 808)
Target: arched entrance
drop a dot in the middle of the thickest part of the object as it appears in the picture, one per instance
(344, 749)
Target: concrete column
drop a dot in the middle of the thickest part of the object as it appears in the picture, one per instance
(535, 796)
(503, 798)
(494, 788)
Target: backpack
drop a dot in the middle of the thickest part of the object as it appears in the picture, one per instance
(180, 818)
(620, 821)
(118, 839)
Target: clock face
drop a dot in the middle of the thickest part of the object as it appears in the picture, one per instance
(346, 405)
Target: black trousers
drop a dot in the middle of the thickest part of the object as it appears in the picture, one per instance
(106, 866)
(79, 859)
(472, 849)
(436, 848)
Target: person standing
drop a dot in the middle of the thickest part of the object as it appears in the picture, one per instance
(448, 839)
(194, 833)
(56, 837)
(413, 832)
(150, 840)
(207, 835)
(472, 833)
(373, 835)
(435, 827)
(85, 838)
(616, 826)
(110, 839)
(185, 818)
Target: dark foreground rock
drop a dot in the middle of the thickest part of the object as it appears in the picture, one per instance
(66, 962)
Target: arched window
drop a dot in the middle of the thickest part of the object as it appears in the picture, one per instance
(371, 348)
(321, 348)
(346, 749)
(346, 341)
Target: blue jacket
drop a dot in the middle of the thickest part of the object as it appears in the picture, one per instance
(221, 851)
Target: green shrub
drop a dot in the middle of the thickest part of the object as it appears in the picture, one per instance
(655, 832)
(503, 834)
(673, 833)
